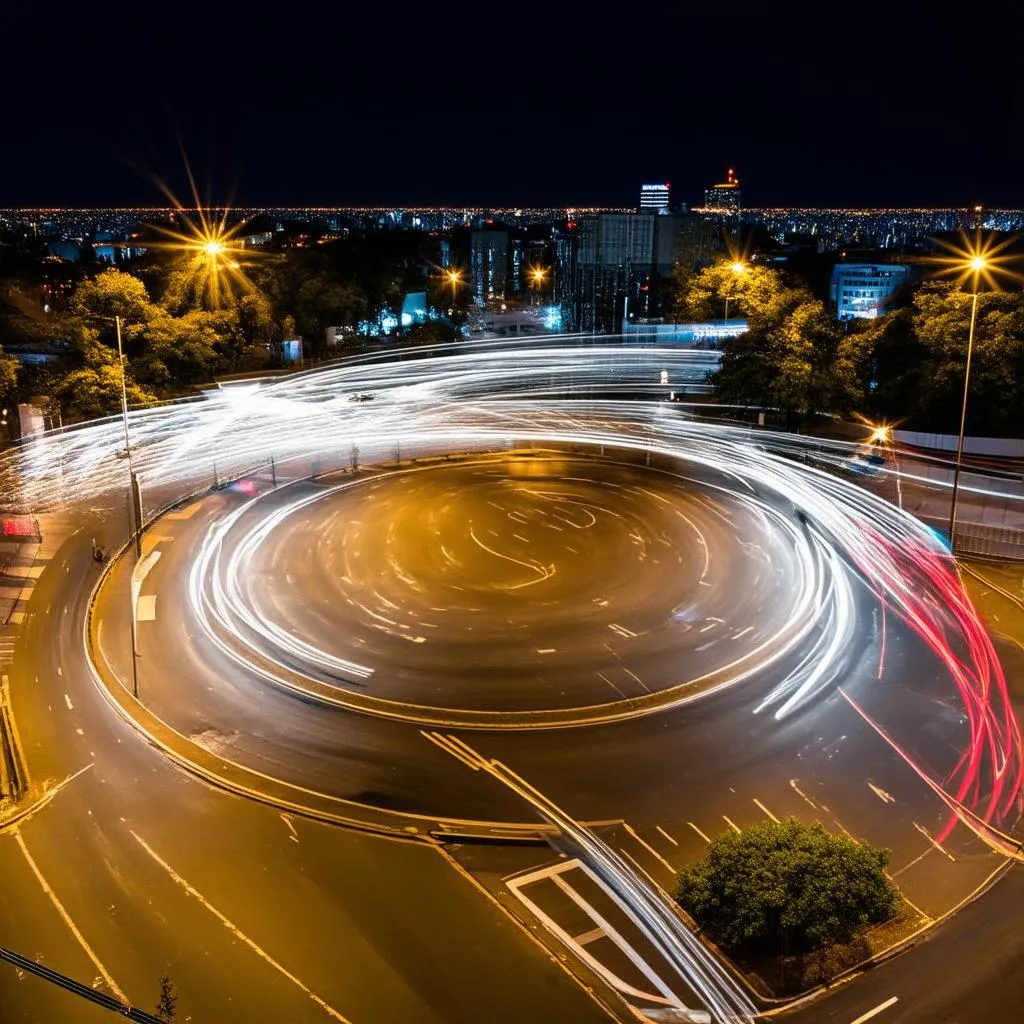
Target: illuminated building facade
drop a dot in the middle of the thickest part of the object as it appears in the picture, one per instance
(861, 290)
(724, 198)
(489, 265)
(655, 198)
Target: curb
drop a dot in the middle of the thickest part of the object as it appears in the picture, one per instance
(217, 771)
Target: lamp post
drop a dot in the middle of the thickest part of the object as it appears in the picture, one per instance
(976, 266)
(134, 513)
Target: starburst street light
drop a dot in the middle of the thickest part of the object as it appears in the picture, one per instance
(974, 261)
(212, 255)
(737, 267)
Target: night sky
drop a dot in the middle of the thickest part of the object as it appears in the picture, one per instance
(855, 102)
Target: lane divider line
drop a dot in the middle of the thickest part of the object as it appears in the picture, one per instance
(66, 918)
(236, 931)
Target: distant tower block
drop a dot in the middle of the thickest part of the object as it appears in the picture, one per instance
(724, 198)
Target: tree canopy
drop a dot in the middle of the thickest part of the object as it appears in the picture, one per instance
(787, 887)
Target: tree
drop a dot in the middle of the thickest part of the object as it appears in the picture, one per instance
(96, 391)
(168, 1003)
(9, 369)
(112, 293)
(787, 887)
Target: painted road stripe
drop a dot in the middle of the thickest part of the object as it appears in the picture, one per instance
(698, 831)
(877, 1010)
(67, 700)
(147, 608)
(765, 809)
(666, 835)
(66, 917)
(326, 1007)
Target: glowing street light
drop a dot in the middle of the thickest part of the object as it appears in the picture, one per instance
(538, 278)
(976, 261)
(737, 267)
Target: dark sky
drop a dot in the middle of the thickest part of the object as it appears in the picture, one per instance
(853, 102)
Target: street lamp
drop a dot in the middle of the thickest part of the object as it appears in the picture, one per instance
(976, 264)
(737, 268)
(134, 511)
(538, 276)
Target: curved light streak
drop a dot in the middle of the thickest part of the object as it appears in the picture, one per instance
(490, 396)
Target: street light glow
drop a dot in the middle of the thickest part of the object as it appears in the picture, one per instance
(738, 267)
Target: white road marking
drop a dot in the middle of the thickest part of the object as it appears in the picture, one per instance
(647, 846)
(592, 936)
(67, 700)
(765, 809)
(886, 798)
(698, 831)
(326, 1007)
(450, 748)
(546, 650)
(797, 789)
(934, 842)
(66, 917)
(291, 828)
(731, 824)
(666, 835)
(742, 632)
(877, 1010)
(146, 608)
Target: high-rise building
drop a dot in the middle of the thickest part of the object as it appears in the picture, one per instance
(860, 290)
(724, 198)
(655, 198)
(489, 265)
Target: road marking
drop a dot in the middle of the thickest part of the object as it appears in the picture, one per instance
(592, 936)
(66, 917)
(647, 846)
(666, 835)
(326, 1007)
(448, 745)
(766, 811)
(934, 842)
(291, 828)
(797, 789)
(731, 824)
(67, 700)
(886, 798)
(877, 1010)
(545, 650)
(611, 684)
(698, 831)
(146, 608)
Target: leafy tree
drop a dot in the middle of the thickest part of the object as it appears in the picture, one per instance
(167, 1005)
(96, 391)
(9, 372)
(112, 293)
(787, 887)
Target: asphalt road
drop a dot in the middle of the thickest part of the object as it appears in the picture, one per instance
(690, 772)
(149, 865)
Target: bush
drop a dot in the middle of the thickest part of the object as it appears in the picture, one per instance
(787, 887)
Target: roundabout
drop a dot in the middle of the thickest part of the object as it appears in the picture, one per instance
(600, 625)
(530, 591)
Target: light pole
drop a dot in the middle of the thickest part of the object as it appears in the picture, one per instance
(135, 497)
(976, 266)
(134, 512)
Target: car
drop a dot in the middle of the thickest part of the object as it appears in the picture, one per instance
(362, 396)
